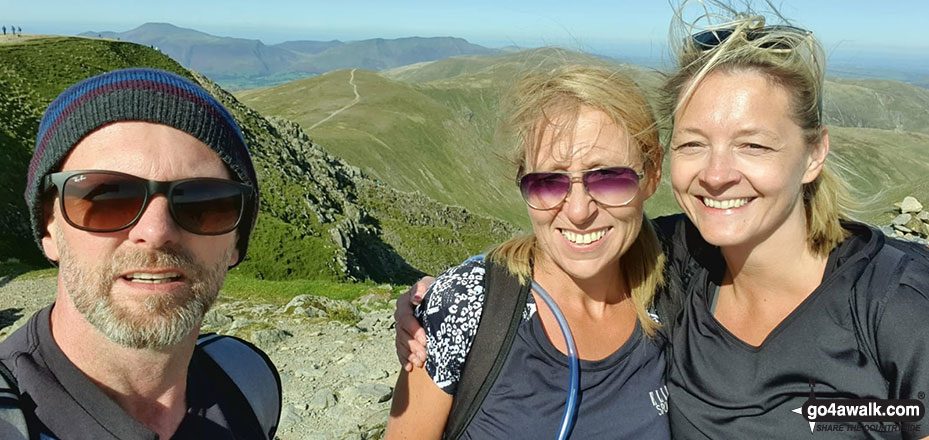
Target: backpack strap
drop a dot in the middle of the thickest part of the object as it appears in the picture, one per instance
(504, 301)
(13, 424)
(251, 373)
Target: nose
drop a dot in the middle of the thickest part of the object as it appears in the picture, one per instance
(578, 205)
(156, 228)
(720, 170)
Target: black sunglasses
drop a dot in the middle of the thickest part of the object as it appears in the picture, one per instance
(707, 40)
(109, 201)
(613, 186)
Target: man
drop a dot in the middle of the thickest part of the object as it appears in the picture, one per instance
(142, 190)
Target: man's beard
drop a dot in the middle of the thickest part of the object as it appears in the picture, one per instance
(164, 319)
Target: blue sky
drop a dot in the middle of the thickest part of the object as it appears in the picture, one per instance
(632, 29)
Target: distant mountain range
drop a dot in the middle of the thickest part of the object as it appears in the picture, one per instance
(237, 63)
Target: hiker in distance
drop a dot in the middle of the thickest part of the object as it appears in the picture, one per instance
(142, 190)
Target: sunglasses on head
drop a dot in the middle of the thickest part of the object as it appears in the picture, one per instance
(613, 186)
(710, 39)
(109, 201)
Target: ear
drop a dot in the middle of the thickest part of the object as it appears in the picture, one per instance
(818, 154)
(234, 255)
(652, 180)
(49, 244)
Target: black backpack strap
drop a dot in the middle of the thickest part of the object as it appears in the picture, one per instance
(13, 424)
(504, 301)
(248, 376)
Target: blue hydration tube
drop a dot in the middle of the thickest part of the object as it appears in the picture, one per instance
(570, 409)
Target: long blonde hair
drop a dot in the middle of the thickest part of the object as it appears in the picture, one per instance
(791, 58)
(563, 92)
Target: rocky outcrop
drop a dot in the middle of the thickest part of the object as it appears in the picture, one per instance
(911, 221)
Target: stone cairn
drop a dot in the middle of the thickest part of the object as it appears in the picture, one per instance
(911, 223)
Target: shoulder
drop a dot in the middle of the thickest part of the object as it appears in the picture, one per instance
(24, 340)
(450, 314)
(457, 291)
(891, 264)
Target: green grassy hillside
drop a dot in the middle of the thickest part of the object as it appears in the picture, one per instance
(872, 103)
(33, 73)
(408, 137)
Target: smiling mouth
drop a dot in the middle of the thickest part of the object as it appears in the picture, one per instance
(725, 204)
(152, 278)
(588, 238)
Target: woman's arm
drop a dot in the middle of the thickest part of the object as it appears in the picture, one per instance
(420, 408)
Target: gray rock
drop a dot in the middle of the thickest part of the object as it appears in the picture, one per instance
(373, 392)
(310, 372)
(902, 219)
(924, 216)
(268, 337)
(317, 306)
(322, 399)
(355, 369)
(888, 231)
(290, 415)
(915, 225)
(374, 322)
(910, 204)
(378, 374)
(216, 319)
(239, 323)
(902, 229)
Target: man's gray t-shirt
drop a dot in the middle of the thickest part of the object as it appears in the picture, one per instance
(621, 396)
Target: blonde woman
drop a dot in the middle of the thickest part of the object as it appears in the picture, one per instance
(588, 157)
(788, 298)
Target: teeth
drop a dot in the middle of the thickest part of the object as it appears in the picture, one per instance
(724, 204)
(587, 238)
(153, 278)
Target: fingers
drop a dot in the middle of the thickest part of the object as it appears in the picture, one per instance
(410, 338)
(419, 289)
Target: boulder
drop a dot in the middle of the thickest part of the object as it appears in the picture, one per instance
(902, 219)
(322, 399)
(910, 204)
(270, 336)
(915, 225)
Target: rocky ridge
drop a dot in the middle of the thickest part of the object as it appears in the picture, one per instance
(911, 221)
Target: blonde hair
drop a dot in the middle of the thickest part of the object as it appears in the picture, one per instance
(564, 92)
(789, 57)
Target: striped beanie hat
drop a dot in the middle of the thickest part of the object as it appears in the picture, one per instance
(137, 94)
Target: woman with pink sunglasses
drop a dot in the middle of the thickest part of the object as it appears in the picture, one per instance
(587, 157)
